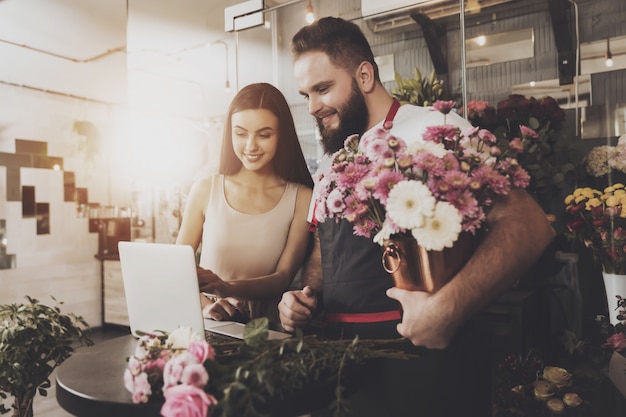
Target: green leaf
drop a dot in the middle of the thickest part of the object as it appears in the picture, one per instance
(256, 332)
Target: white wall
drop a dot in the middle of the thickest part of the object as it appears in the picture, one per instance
(62, 263)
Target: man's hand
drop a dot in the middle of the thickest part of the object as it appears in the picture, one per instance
(228, 308)
(421, 320)
(296, 308)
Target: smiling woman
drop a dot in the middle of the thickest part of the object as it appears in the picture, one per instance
(260, 196)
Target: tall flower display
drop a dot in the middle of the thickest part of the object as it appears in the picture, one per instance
(598, 220)
(431, 189)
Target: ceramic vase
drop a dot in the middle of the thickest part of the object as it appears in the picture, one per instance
(617, 372)
(614, 284)
(414, 268)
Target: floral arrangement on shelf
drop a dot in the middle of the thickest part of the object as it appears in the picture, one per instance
(256, 376)
(431, 189)
(605, 159)
(550, 159)
(598, 220)
(526, 387)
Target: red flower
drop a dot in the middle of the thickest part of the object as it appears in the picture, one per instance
(576, 224)
(617, 341)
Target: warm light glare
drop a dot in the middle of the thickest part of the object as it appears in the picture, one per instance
(532, 83)
(56, 167)
(310, 16)
(608, 56)
(481, 40)
(267, 24)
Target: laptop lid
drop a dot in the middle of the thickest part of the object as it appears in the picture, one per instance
(161, 286)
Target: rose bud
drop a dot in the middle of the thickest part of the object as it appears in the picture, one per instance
(598, 222)
(558, 376)
(555, 405)
(571, 399)
(543, 390)
(495, 151)
(575, 225)
(577, 208)
(597, 211)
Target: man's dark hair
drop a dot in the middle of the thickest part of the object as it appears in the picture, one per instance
(341, 40)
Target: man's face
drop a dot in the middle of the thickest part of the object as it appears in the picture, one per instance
(333, 97)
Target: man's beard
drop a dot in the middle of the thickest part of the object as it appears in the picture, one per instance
(353, 119)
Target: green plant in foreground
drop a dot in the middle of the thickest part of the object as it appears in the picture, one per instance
(34, 340)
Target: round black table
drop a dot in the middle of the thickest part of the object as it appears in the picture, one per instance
(90, 383)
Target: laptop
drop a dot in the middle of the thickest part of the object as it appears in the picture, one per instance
(162, 292)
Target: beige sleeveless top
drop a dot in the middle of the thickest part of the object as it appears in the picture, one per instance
(238, 246)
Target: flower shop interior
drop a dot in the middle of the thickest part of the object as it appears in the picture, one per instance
(111, 109)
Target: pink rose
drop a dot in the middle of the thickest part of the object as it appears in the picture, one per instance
(195, 375)
(202, 350)
(617, 341)
(174, 368)
(187, 401)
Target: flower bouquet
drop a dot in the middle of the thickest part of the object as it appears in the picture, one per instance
(550, 158)
(252, 377)
(430, 190)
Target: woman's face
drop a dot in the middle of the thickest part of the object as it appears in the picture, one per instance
(255, 138)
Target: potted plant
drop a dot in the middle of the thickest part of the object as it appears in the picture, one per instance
(34, 340)
(419, 91)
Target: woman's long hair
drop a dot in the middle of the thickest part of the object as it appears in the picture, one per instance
(289, 162)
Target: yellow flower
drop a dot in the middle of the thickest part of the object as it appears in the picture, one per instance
(594, 202)
(609, 189)
(618, 185)
(579, 199)
(613, 201)
(569, 199)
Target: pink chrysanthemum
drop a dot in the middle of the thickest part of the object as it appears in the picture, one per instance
(444, 107)
(352, 175)
(387, 180)
(456, 179)
(430, 163)
(440, 134)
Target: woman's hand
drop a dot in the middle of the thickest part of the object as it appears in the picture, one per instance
(211, 283)
(228, 308)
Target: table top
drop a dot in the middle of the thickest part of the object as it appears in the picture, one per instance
(90, 383)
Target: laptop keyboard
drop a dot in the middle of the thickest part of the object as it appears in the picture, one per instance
(212, 337)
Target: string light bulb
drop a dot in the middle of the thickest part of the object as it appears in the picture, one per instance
(608, 56)
(310, 16)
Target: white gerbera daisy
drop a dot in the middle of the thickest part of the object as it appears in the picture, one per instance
(440, 230)
(409, 202)
(436, 149)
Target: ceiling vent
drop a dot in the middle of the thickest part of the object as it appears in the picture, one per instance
(396, 14)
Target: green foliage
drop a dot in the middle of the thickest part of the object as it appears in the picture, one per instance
(420, 91)
(288, 376)
(34, 340)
